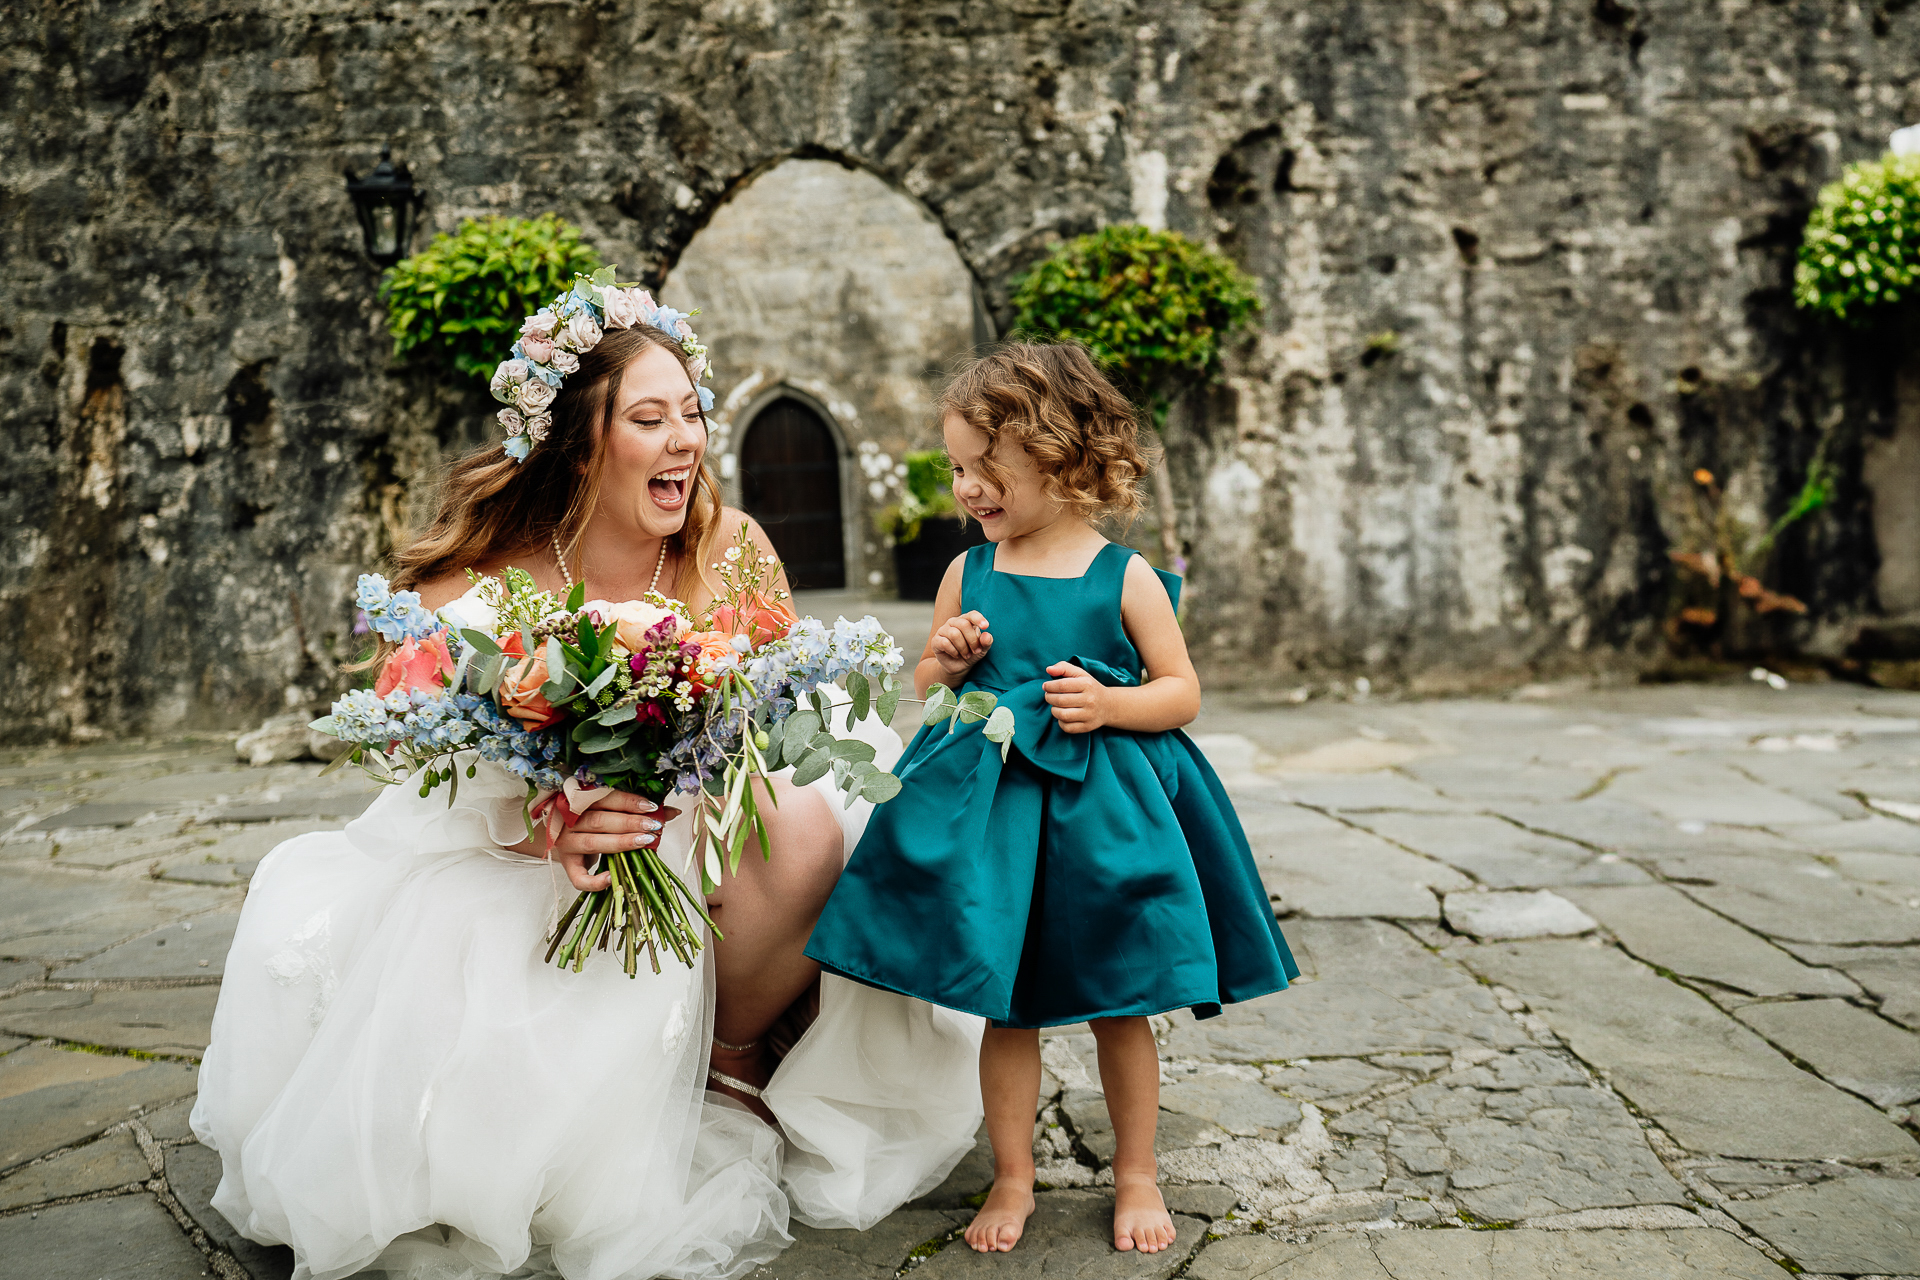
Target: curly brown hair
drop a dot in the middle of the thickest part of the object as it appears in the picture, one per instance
(1052, 400)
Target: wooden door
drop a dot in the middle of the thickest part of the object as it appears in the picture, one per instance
(790, 483)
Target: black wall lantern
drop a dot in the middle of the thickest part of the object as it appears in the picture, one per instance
(387, 202)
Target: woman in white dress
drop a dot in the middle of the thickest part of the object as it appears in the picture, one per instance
(398, 1083)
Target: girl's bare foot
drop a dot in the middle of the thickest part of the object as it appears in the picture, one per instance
(1140, 1218)
(1002, 1220)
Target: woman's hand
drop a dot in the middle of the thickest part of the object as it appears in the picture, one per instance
(620, 822)
(959, 645)
(1080, 703)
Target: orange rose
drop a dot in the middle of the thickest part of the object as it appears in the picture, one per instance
(518, 692)
(416, 664)
(760, 620)
(715, 655)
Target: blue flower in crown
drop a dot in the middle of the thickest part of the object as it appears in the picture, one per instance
(553, 339)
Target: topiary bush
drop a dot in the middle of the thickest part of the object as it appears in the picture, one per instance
(1153, 306)
(1861, 249)
(460, 302)
(928, 492)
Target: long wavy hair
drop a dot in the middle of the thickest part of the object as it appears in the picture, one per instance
(492, 508)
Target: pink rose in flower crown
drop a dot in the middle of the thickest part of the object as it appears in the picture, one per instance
(535, 396)
(518, 692)
(538, 424)
(423, 665)
(538, 348)
(582, 333)
(565, 362)
(640, 624)
(622, 307)
(540, 324)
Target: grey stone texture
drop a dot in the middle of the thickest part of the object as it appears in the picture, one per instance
(1845, 1044)
(1588, 1094)
(1488, 1255)
(1849, 1226)
(123, 1238)
(1736, 1096)
(1514, 914)
(194, 412)
(1070, 1234)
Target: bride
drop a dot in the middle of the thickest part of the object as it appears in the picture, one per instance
(397, 1083)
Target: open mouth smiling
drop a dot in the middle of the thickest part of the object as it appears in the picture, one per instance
(669, 488)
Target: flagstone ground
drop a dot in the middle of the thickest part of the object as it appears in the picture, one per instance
(1631, 975)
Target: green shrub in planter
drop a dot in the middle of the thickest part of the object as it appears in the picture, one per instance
(1861, 250)
(460, 302)
(929, 492)
(1153, 306)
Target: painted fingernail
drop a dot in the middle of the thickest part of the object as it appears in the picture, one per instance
(640, 842)
(648, 806)
(648, 824)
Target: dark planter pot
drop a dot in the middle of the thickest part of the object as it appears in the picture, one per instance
(919, 565)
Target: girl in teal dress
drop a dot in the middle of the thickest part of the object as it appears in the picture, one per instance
(1098, 873)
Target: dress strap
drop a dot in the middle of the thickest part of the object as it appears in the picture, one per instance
(974, 575)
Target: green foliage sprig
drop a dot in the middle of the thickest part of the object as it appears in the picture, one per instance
(1154, 306)
(460, 301)
(1862, 245)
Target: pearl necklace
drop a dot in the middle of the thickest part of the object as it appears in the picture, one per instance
(561, 560)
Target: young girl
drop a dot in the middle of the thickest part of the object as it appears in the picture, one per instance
(1098, 873)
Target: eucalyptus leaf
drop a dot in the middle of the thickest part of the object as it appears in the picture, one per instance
(480, 640)
(976, 705)
(813, 768)
(802, 726)
(602, 680)
(999, 725)
(879, 786)
(606, 742)
(940, 704)
(325, 724)
(776, 734)
(618, 714)
(842, 769)
(862, 693)
(821, 703)
(888, 701)
(851, 749)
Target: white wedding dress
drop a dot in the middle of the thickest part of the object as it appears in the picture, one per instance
(399, 1083)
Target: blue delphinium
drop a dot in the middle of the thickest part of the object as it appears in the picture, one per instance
(396, 615)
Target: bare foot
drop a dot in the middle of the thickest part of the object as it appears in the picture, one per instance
(1140, 1218)
(1003, 1218)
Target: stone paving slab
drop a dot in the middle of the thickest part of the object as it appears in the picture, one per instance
(124, 1238)
(105, 850)
(193, 1175)
(1364, 793)
(1489, 1255)
(1382, 993)
(1070, 1237)
(1714, 1085)
(1895, 875)
(1849, 1226)
(1606, 822)
(1845, 1044)
(1500, 854)
(114, 1161)
(1796, 899)
(172, 1020)
(48, 915)
(1349, 873)
(1663, 926)
(194, 948)
(1697, 790)
(61, 1111)
(1515, 914)
(1875, 834)
(1470, 778)
(1890, 975)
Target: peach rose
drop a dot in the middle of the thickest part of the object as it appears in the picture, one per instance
(760, 620)
(518, 692)
(425, 665)
(635, 619)
(715, 654)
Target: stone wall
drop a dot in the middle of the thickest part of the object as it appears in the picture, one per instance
(823, 283)
(1575, 217)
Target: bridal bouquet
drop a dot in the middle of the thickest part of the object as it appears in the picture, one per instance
(581, 697)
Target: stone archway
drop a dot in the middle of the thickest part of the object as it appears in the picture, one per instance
(791, 481)
(820, 284)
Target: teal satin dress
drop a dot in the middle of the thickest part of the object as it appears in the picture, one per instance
(1090, 875)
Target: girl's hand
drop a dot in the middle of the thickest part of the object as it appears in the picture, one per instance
(959, 646)
(1079, 702)
(621, 821)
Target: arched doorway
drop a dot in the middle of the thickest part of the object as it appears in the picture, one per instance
(790, 483)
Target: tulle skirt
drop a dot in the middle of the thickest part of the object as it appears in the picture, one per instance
(398, 1083)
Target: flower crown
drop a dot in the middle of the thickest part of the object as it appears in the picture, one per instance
(554, 338)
